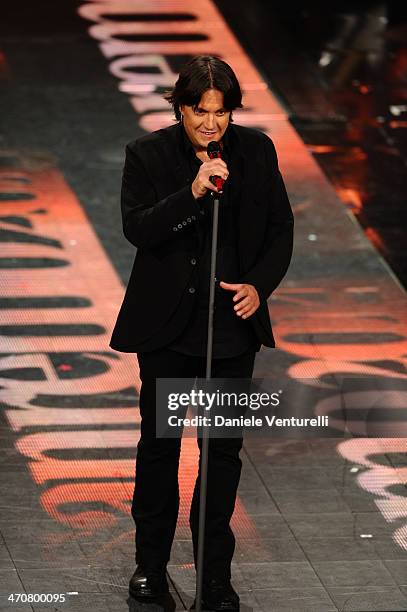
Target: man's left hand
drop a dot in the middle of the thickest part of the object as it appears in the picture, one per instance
(248, 296)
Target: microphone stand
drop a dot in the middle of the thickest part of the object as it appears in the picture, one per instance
(205, 436)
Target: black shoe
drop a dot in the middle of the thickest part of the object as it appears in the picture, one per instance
(219, 596)
(148, 584)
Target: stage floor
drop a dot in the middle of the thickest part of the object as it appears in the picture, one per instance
(321, 523)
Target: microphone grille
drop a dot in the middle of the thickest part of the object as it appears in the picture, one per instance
(213, 148)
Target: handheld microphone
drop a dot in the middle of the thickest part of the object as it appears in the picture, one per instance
(214, 151)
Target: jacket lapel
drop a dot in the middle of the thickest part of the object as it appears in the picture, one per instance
(241, 197)
(172, 161)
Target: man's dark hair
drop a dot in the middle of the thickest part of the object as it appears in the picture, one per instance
(201, 73)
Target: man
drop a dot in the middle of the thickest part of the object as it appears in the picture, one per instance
(166, 210)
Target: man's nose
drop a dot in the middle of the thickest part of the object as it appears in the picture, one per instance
(209, 122)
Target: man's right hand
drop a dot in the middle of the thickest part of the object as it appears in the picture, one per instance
(202, 184)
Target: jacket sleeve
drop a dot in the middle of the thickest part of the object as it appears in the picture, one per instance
(275, 256)
(146, 221)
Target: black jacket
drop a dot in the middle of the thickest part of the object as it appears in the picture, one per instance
(160, 218)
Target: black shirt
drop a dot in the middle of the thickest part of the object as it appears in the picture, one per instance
(232, 335)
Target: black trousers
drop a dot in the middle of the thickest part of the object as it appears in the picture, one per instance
(156, 493)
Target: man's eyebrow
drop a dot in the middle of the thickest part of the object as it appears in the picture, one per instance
(202, 110)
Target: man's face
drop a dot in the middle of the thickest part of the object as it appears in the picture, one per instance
(207, 121)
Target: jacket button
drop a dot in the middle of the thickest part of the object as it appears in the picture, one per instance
(184, 223)
(189, 219)
(191, 290)
(174, 229)
(180, 225)
(193, 261)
